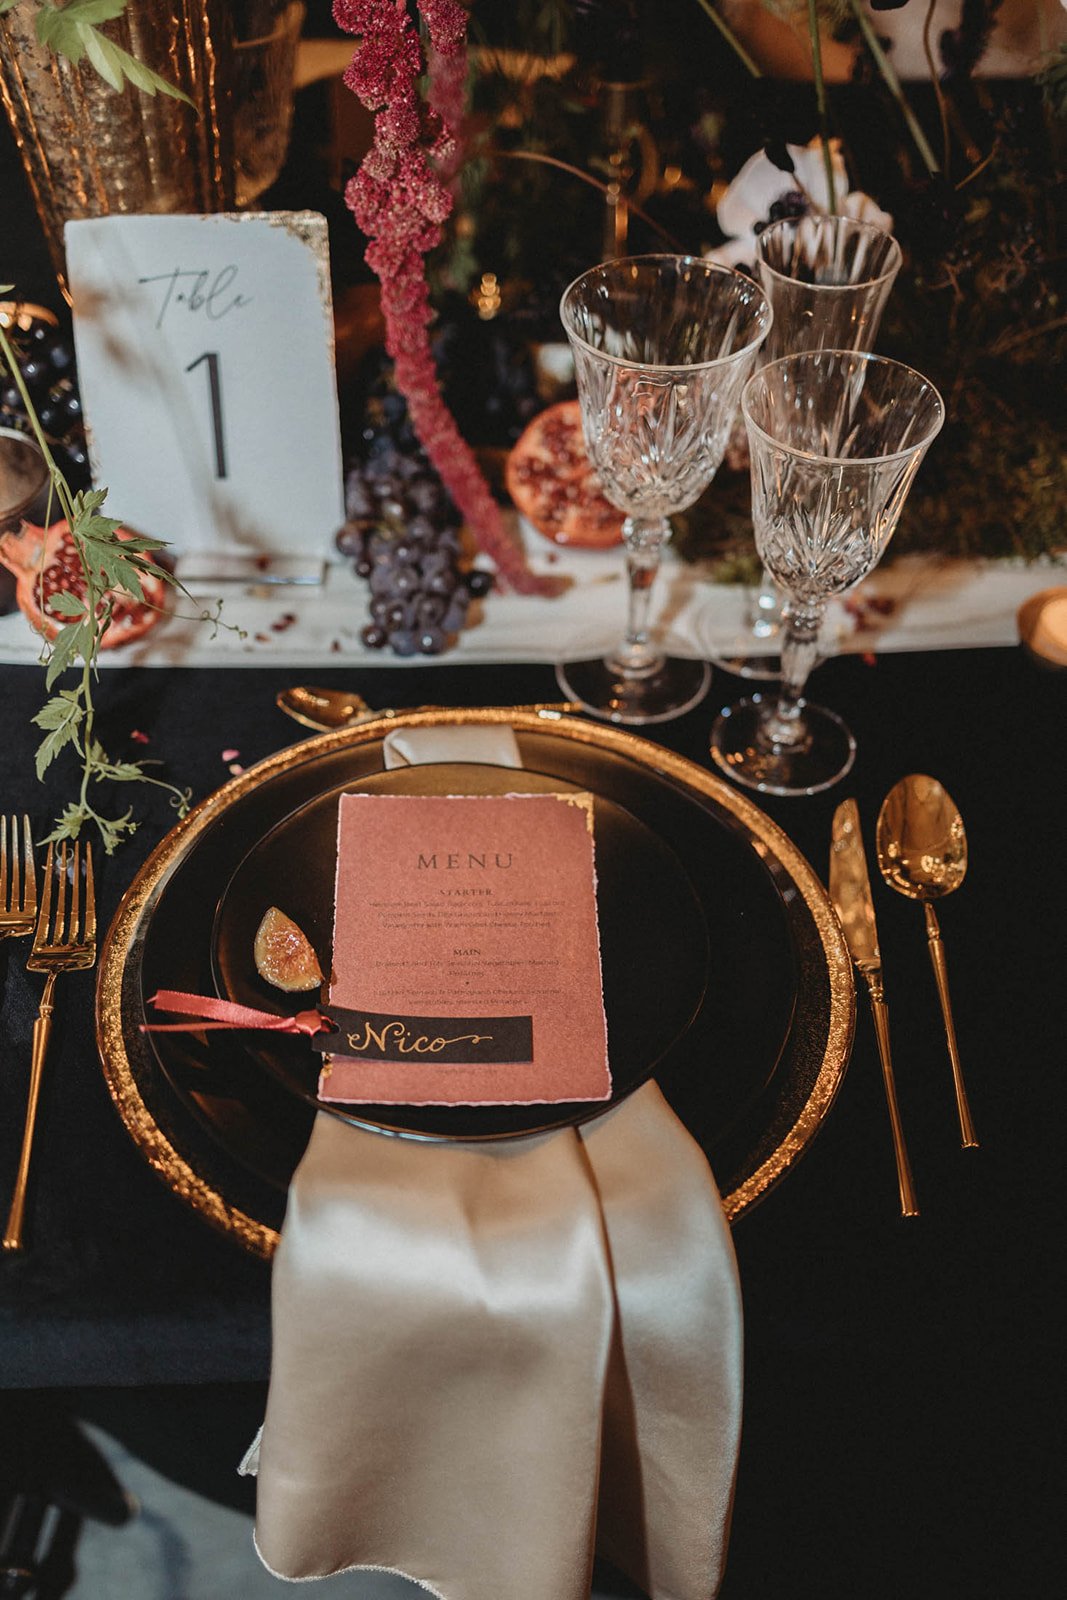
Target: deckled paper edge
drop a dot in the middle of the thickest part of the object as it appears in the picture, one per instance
(583, 800)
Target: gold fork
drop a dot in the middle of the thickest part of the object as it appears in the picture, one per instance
(18, 880)
(63, 941)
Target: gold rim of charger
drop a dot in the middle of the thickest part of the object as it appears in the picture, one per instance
(259, 1237)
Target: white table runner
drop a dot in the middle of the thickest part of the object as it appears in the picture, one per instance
(920, 603)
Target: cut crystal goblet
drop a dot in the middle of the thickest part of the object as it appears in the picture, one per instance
(662, 347)
(836, 438)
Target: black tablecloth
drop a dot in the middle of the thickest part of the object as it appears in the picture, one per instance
(900, 1375)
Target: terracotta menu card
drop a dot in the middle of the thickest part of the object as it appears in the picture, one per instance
(466, 952)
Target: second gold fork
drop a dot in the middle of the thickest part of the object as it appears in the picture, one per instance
(18, 880)
(63, 941)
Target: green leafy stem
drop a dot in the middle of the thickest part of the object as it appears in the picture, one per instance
(815, 8)
(110, 565)
(72, 30)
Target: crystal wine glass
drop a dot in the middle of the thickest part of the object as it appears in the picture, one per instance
(828, 279)
(836, 438)
(662, 347)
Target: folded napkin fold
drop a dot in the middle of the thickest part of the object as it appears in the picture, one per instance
(491, 745)
(490, 1359)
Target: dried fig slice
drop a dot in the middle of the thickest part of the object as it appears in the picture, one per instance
(283, 955)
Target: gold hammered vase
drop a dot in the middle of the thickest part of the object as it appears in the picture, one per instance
(90, 150)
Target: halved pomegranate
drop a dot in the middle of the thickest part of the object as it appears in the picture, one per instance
(45, 563)
(554, 484)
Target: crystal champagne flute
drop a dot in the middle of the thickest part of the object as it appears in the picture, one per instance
(828, 279)
(662, 346)
(836, 438)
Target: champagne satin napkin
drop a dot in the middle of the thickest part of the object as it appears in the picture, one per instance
(491, 1359)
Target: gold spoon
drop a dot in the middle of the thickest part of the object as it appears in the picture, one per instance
(326, 709)
(922, 853)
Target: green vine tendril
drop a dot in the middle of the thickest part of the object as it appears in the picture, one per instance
(110, 565)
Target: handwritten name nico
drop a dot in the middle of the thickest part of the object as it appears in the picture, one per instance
(395, 1036)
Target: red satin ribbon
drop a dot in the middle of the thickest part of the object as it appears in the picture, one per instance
(213, 1013)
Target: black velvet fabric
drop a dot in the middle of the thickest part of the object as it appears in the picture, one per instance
(899, 1374)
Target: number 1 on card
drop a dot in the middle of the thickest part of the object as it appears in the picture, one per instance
(215, 384)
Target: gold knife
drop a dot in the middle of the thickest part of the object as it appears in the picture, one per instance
(850, 891)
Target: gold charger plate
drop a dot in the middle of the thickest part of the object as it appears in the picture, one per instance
(172, 1138)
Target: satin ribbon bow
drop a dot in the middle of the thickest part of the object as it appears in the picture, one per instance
(210, 1013)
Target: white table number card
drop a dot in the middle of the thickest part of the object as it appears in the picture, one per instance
(206, 367)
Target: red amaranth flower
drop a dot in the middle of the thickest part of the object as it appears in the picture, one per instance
(400, 199)
(447, 96)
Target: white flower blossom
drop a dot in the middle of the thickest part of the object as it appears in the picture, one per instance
(760, 184)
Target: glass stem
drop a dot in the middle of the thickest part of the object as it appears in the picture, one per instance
(766, 609)
(644, 539)
(782, 726)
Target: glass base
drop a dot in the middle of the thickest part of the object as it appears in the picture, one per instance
(673, 687)
(823, 760)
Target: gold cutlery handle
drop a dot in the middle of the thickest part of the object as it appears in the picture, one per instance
(42, 1032)
(909, 1203)
(968, 1137)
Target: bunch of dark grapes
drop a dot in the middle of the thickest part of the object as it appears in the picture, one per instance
(403, 536)
(45, 354)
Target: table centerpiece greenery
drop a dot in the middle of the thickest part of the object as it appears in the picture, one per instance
(969, 172)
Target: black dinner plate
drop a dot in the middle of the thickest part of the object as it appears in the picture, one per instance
(653, 988)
